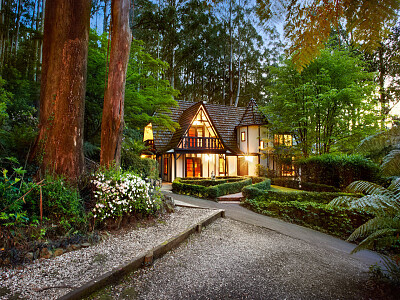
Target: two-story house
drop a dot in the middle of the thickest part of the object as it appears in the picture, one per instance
(212, 139)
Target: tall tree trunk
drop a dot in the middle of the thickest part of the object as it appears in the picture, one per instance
(113, 110)
(382, 90)
(105, 16)
(17, 25)
(230, 56)
(2, 36)
(59, 146)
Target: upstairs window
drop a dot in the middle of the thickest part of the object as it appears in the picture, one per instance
(283, 140)
(243, 136)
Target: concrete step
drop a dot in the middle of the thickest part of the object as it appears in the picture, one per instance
(231, 197)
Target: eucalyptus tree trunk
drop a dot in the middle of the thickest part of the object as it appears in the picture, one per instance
(59, 146)
(2, 35)
(113, 110)
(230, 57)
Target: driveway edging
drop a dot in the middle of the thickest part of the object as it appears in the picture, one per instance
(140, 261)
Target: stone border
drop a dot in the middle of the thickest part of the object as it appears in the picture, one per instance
(142, 260)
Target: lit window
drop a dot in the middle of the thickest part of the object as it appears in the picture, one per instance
(243, 136)
(283, 140)
(262, 145)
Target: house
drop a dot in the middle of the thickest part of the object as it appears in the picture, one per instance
(213, 139)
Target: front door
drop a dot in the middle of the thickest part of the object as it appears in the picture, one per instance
(193, 167)
(243, 166)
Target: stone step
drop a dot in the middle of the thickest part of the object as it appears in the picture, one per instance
(231, 197)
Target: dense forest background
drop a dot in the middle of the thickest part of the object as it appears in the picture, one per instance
(222, 52)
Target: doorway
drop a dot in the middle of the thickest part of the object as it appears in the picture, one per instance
(193, 167)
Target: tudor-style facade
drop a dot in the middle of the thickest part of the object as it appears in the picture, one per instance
(212, 139)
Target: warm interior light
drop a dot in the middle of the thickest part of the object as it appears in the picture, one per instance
(207, 157)
(249, 158)
(143, 156)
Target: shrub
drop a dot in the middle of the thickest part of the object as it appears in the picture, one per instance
(185, 186)
(338, 170)
(336, 221)
(119, 194)
(293, 184)
(257, 189)
(305, 186)
(227, 188)
(323, 197)
(61, 203)
(145, 167)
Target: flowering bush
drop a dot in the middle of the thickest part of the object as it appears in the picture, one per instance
(118, 194)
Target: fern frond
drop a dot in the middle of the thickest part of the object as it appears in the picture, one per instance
(343, 201)
(368, 242)
(395, 185)
(380, 141)
(391, 163)
(374, 224)
(366, 187)
(376, 204)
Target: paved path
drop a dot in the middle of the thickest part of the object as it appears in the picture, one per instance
(237, 212)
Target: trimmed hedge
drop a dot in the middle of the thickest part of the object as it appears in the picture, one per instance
(209, 182)
(256, 179)
(258, 189)
(305, 186)
(338, 170)
(316, 197)
(333, 220)
(183, 187)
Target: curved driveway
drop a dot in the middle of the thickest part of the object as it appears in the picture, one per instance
(239, 213)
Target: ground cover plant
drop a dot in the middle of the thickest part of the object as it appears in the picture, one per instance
(203, 188)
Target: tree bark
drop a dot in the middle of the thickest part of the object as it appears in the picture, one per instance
(113, 110)
(59, 146)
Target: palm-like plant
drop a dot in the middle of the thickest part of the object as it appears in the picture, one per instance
(383, 203)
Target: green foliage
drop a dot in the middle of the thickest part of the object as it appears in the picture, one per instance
(305, 186)
(257, 189)
(336, 221)
(317, 197)
(17, 120)
(61, 203)
(212, 191)
(145, 167)
(148, 97)
(338, 170)
(328, 107)
(388, 143)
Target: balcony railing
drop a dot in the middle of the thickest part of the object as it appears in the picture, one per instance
(201, 143)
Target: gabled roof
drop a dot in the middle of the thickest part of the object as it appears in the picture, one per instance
(253, 115)
(224, 119)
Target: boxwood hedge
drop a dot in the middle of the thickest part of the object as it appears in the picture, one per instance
(184, 186)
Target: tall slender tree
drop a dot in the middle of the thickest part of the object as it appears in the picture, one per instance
(113, 109)
(59, 146)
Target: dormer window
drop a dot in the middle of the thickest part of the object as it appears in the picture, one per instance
(243, 136)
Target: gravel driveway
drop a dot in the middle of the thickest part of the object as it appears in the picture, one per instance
(234, 260)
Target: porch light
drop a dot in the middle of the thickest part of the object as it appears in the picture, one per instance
(249, 158)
